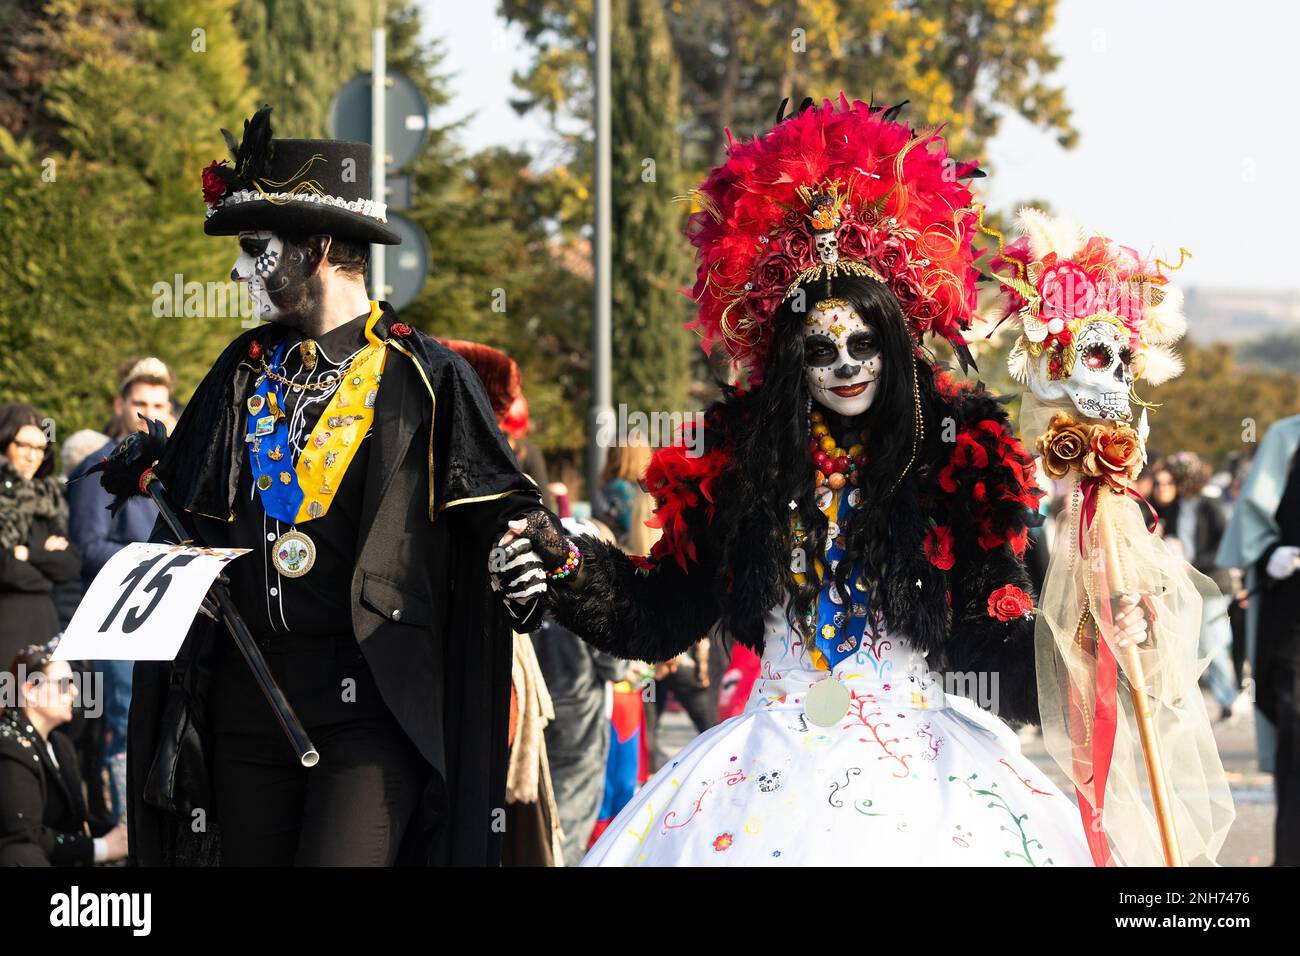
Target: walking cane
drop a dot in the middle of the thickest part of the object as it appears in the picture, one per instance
(129, 471)
(1137, 683)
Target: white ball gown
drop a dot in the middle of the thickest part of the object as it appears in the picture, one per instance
(911, 776)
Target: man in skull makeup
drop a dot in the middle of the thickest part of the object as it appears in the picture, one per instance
(360, 462)
(856, 517)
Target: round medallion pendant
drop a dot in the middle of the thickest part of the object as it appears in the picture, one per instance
(827, 702)
(293, 554)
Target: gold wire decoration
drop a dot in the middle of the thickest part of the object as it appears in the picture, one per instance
(306, 186)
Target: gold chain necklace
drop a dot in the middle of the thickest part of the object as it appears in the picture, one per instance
(324, 383)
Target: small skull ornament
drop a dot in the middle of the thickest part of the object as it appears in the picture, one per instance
(770, 781)
(1100, 375)
(828, 247)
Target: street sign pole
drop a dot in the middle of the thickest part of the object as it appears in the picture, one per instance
(378, 146)
(601, 400)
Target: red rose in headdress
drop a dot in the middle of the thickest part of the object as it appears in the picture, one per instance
(858, 241)
(1067, 292)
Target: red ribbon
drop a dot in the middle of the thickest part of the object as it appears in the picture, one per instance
(1105, 703)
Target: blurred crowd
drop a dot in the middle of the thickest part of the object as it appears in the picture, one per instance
(582, 724)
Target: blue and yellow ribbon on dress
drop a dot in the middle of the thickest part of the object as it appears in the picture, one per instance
(838, 629)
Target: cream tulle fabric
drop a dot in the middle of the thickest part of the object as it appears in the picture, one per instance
(1075, 630)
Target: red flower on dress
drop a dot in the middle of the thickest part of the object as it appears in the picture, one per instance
(722, 842)
(214, 187)
(1009, 602)
(643, 562)
(254, 350)
(400, 329)
(938, 547)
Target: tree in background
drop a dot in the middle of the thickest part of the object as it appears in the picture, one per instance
(650, 264)
(1217, 406)
(960, 62)
(104, 136)
(301, 51)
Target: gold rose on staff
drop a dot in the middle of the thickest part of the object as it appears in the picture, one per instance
(1112, 453)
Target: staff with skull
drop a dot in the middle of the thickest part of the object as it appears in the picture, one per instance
(1095, 317)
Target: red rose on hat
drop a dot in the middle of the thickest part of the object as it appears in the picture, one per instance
(1009, 602)
(214, 187)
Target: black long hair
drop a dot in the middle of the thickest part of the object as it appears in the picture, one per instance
(772, 465)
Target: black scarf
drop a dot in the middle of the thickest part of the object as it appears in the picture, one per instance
(22, 500)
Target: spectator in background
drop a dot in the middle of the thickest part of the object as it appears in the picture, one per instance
(35, 554)
(145, 388)
(43, 820)
(625, 507)
(79, 446)
(1263, 539)
(1193, 523)
(620, 502)
(577, 740)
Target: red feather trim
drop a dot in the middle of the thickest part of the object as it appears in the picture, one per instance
(683, 486)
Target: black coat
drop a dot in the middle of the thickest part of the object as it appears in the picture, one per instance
(440, 484)
(28, 613)
(42, 807)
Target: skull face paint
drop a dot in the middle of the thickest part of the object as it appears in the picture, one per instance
(1100, 376)
(259, 255)
(842, 359)
(280, 277)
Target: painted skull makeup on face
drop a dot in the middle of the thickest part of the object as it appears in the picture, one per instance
(280, 277)
(259, 255)
(842, 359)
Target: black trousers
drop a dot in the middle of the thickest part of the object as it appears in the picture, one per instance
(351, 809)
(1286, 772)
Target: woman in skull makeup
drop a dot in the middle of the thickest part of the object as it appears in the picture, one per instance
(856, 517)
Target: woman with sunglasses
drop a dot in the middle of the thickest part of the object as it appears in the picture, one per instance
(35, 554)
(43, 819)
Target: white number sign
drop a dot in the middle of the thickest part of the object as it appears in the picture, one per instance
(141, 603)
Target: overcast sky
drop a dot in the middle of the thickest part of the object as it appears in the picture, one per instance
(1186, 113)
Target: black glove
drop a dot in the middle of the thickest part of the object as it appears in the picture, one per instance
(547, 535)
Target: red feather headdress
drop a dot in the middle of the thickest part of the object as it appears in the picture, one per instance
(840, 189)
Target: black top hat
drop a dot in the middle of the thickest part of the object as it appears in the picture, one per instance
(314, 186)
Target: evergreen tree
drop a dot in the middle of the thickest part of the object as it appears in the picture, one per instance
(650, 354)
(301, 52)
(101, 202)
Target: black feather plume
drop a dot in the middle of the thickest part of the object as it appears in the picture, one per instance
(120, 472)
(253, 157)
(891, 114)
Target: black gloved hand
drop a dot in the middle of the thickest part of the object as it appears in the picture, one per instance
(547, 535)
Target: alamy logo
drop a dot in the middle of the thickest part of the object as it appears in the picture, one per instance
(74, 909)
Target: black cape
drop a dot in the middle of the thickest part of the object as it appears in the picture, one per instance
(442, 476)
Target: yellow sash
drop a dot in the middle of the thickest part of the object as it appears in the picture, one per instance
(338, 433)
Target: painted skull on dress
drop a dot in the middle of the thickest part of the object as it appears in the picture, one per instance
(767, 782)
(1100, 374)
(280, 276)
(842, 358)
